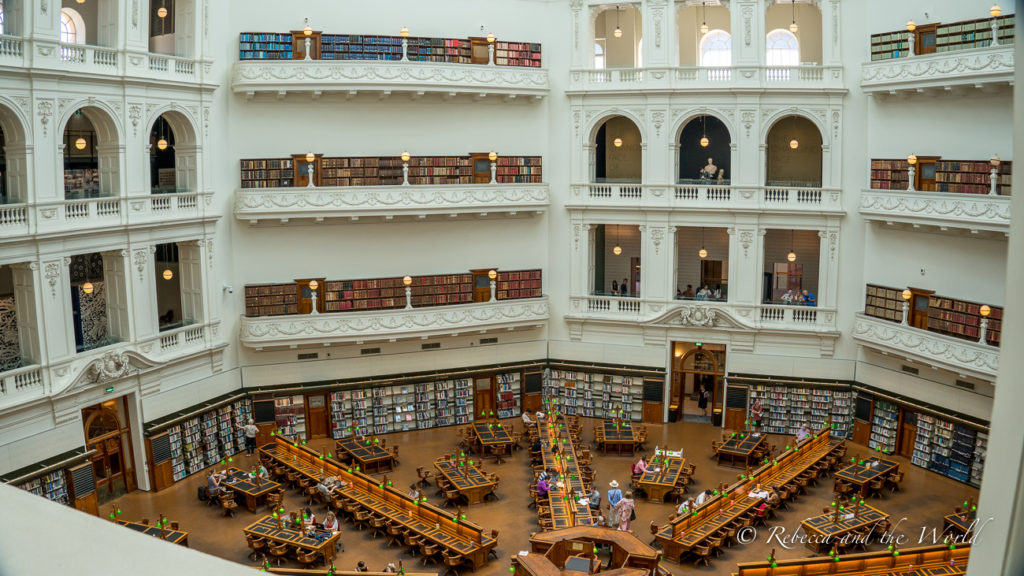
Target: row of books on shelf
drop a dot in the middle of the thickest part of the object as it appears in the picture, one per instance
(52, 486)
(593, 394)
(787, 408)
(208, 438)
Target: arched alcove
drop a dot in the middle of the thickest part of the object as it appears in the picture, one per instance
(91, 154)
(696, 23)
(619, 31)
(780, 17)
(618, 151)
(793, 153)
(705, 151)
(173, 168)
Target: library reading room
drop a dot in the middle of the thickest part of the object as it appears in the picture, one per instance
(486, 287)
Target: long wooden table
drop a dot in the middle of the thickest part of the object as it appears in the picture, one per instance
(661, 476)
(739, 449)
(684, 533)
(490, 435)
(467, 479)
(566, 511)
(937, 560)
(824, 530)
(368, 455)
(619, 435)
(253, 492)
(453, 533)
(172, 536)
(266, 527)
(960, 523)
(862, 475)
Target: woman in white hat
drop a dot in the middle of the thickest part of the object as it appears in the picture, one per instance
(614, 495)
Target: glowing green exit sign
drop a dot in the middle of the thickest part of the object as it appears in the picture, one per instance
(109, 390)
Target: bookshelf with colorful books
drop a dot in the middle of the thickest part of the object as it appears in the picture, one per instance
(787, 407)
(961, 453)
(225, 431)
(178, 469)
(403, 400)
(360, 47)
(450, 50)
(271, 299)
(593, 394)
(885, 303)
(883, 427)
(518, 284)
(192, 445)
(889, 174)
(517, 54)
(242, 412)
(509, 395)
(972, 177)
(381, 405)
(923, 440)
(962, 319)
(437, 170)
(267, 173)
(969, 34)
(52, 486)
(978, 462)
(888, 45)
(519, 170)
(426, 405)
(362, 411)
(264, 46)
(211, 448)
(341, 415)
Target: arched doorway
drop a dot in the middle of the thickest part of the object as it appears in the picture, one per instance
(793, 153)
(107, 432)
(692, 369)
(705, 142)
(618, 151)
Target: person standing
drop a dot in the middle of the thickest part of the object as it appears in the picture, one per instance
(624, 511)
(614, 497)
(624, 287)
(250, 430)
(756, 413)
(702, 400)
(615, 287)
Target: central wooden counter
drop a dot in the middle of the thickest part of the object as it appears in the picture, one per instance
(686, 532)
(626, 550)
(619, 435)
(740, 449)
(368, 455)
(467, 479)
(491, 435)
(455, 534)
(861, 475)
(254, 492)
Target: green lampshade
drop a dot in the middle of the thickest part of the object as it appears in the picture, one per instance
(271, 432)
(111, 515)
(511, 568)
(463, 516)
(896, 553)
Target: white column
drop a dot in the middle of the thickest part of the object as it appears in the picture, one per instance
(831, 35)
(673, 268)
(115, 282)
(57, 323)
(745, 263)
(143, 292)
(828, 267)
(25, 277)
(747, 23)
(657, 40)
(656, 259)
(588, 261)
(109, 16)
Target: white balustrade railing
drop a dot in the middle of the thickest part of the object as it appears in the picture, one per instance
(11, 47)
(92, 209)
(73, 53)
(613, 305)
(767, 316)
(775, 195)
(699, 192)
(628, 191)
(103, 57)
(158, 63)
(684, 77)
(53, 216)
(182, 338)
(707, 195)
(13, 216)
(790, 315)
(21, 384)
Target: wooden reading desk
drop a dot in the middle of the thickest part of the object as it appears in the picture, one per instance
(566, 511)
(861, 475)
(368, 455)
(661, 476)
(687, 532)
(466, 477)
(938, 560)
(824, 530)
(254, 490)
(454, 533)
(963, 523)
(172, 536)
(626, 550)
(740, 449)
(266, 527)
(490, 434)
(618, 435)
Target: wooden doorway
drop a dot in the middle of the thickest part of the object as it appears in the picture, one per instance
(700, 366)
(478, 51)
(481, 285)
(924, 175)
(483, 397)
(924, 39)
(299, 45)
(481, 168)
(306, 295)
(918, 312)
(318, 422)
(907, 436)
(107, 431)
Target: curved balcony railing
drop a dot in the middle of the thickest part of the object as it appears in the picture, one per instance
(706, 196)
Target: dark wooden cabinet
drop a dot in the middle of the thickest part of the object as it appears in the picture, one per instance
(861, 431)
(654, 412)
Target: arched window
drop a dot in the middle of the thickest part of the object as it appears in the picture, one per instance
(599, 55)
(716, 49)
(72, 27)
(783, 49)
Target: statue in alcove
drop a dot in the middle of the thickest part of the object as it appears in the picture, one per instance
(708, 172)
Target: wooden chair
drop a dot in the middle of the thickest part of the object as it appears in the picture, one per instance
(715, 543)
(144, 521)
(654, 532)
(429, 552)
(228, 504)
(493, 551)
(394, 454)
(313, 494)
(875, 488)
(453, 498)
(499, 453)
(274, 499)
(702, 554)
(452, 562)
(307, 557)
(174, 524)
(212, 497)
(292, 478)
(412, 541)
(278, 552)
(424, 476)
(894, 480)
(258, 547)
(394, 534)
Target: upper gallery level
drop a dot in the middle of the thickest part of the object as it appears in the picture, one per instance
(942, 57)
(314, 62)
(701, 46)
(314, 187)
(152, 40)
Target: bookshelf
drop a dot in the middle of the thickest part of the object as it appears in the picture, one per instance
(450, 50)
(978, 462)
(242, 412)
(509, 395)
(962, 319)
(883, 427)
(923, 440)
(593, 394)
(961, 453)
(969, 34)
(517, 54)
(264, 46)
(888, 45)
(341, 415)
(404, 407)
(271, 299)
(518, 284)
(889, 174)
(267, 173)
(52, 486)
(360, 47)
(386, 171)
(972, 177)
(787, 407)
(885, 303)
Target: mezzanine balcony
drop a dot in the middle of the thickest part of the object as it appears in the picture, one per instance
(958, 71)
(707, 78)
(938, 211)
(691, 197)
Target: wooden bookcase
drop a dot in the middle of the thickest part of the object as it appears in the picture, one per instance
(359, 47)
(888, 174)
(268, 173)
(884, 303)
(519, 170)
(301, 171)
(971, 177)
(264, 46)
(450, 50)
(888, 45)
(963, 319)
(271, 299)
(517, 54)
(929, 38)
(519, 284)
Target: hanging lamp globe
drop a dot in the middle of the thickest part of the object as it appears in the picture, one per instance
(791, 256)
(794, 144)
(618, 32)
(617, 250)
(161, 144)
(704, 142)
(162, 12)
(704, 28)
(88, 287)
(490, 38)
(617, 142)
(702, 253)
(80, 143)
(168, 274)
(794, 28)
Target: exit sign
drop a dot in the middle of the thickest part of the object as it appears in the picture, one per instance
(108, 390)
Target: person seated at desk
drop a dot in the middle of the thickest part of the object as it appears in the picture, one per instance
(260, 470)
(308, 518)
(686, 506)
(213, 483)
(758, 492)
(543, 487)
(803, 433)
(773, 497)
(328, 484)
(391, 569)
(526, 419)
(414, 492)
(540, 416)
(702, 497)
(595, 498)
(639, 467)
(361, 567)
(331, 522)
(536, 446)
(597, 520)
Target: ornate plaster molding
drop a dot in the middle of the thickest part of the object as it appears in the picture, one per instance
(953, 354)
(938, 208)
(939, 70)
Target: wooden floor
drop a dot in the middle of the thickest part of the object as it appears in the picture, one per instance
(925, 499)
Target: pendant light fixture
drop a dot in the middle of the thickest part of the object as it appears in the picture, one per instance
(617, 142)
(704, 23)
(618, 31)
(703, 253)
(792, 255)
(617, 250)
(793, 27)
(794, 144)
(88, 287)
(704, 142)
(161, 144)
(80, 143)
